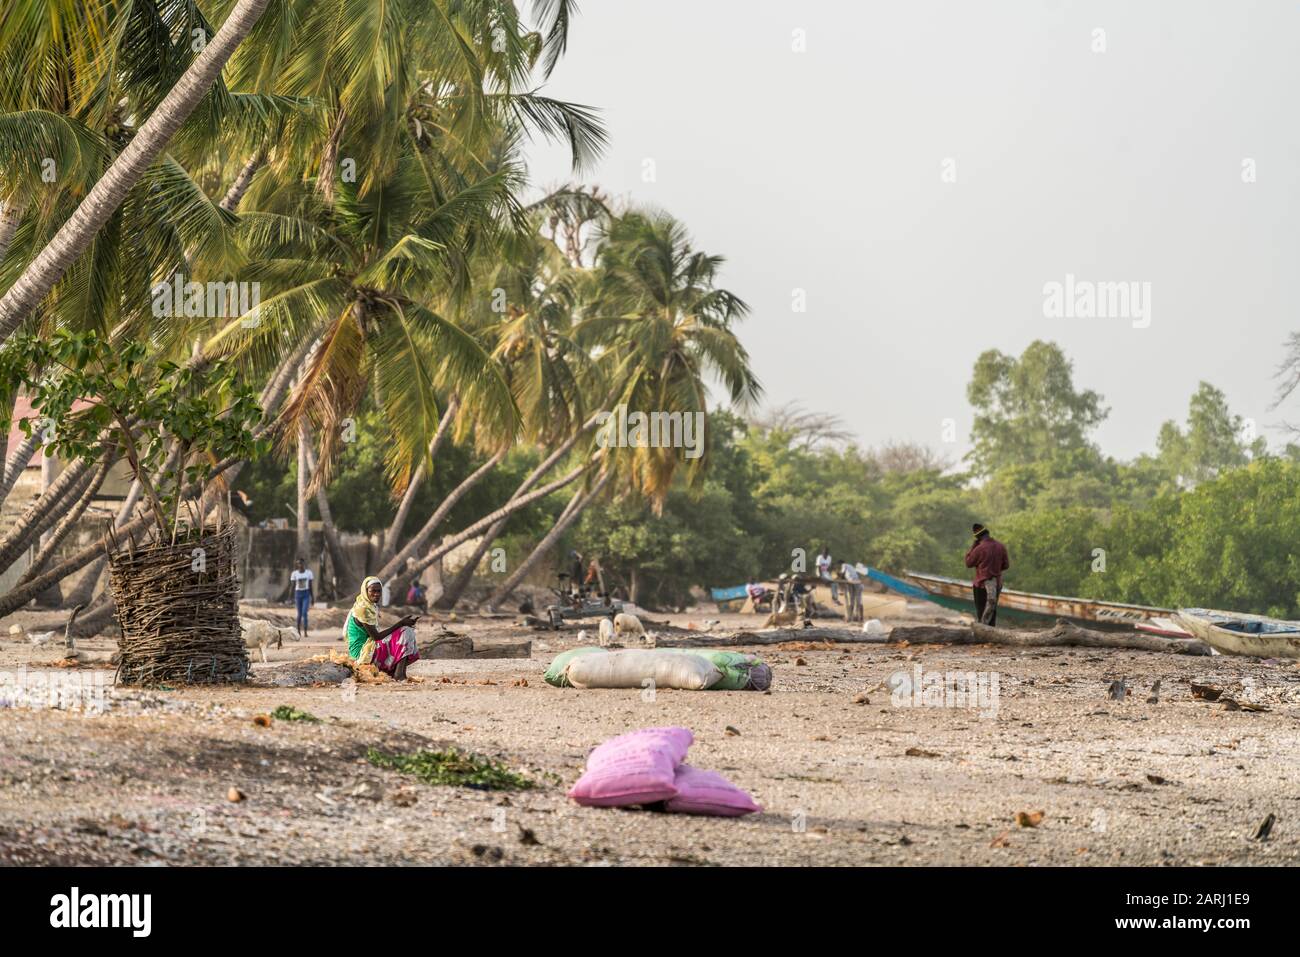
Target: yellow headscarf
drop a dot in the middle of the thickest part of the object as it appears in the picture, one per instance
(363, 609)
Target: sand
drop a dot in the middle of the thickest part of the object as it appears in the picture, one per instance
(846, 774)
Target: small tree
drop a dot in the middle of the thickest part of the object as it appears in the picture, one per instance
(95, 396)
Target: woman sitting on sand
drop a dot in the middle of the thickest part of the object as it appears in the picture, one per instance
(394, 647)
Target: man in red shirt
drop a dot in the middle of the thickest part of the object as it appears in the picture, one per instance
(989, 558)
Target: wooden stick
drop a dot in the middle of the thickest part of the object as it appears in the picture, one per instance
(1062, 634)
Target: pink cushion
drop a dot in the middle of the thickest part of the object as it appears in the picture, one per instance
(708, 792)
(634, 768)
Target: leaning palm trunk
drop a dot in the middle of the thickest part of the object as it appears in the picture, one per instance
(84, 591)
(408, 497)
(570, 515)
(42, 513)
(403, 580)
(18, 463)
(16, 597)
(418, 540)
(230, 202)
(275, 391)
(451, 594)
(104, 198)
(10, 216)
(343, 571)
(88, 490)
(304, 522)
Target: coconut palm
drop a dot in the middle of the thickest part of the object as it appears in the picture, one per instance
(145, 146)
(662, 327)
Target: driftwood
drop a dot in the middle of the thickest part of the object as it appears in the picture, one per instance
(1062, 634)
(774, 636)
(461, 646)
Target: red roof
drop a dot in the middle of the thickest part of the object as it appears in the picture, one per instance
(23, 410)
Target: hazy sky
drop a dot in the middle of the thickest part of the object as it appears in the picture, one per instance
(823, 171)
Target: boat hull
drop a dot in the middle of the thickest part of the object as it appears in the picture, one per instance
(1281, 642)
(1032, 608)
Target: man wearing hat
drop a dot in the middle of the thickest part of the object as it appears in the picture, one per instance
(989, 558)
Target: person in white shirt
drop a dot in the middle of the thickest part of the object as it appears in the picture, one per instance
(824, 562)
(302, 578)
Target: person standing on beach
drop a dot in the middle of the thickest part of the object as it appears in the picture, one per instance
(989, 558)
(301, 578)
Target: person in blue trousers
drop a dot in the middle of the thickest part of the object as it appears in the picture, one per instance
(302, 579)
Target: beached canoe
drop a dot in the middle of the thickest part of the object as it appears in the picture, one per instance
(1237, 634)
(1034, 609)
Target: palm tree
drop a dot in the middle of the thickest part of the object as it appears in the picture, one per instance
(661, 326)
(148, 143)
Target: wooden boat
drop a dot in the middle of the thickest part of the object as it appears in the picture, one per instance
(1031, 608)
(1238, 634)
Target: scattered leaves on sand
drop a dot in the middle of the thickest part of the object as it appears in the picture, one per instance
(527, 837)
(262, 720)
(920, 753)
(1029, 818)
(800, 661)
(731, 731)
(453, 768)
(1157, 779)
(861, 698)
(287, 712)
(1001, 840)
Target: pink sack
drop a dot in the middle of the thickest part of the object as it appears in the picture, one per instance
(708, 792)
(634, 768)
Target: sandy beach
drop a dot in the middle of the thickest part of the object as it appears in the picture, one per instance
(848, 773)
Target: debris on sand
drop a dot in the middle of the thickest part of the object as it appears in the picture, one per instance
(1155, 693)
(287, 712)
(320, 670)
(453, 768)
(1117, 690)
(234, 795)
(1205, 692)
(1030, 818)
(920, 753)
(1266, 827)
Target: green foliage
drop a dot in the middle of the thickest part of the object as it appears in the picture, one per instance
(454, 768)
(98, 397)
(286, 712)
(1027, 409)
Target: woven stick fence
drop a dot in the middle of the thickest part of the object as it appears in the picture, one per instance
(178, 606)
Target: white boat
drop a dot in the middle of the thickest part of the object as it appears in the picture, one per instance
(1237, 634)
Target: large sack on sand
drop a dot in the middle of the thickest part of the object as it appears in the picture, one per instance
(708, 792)
(632, 668)
(635, 768)
(557, 671)
(740, 671)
